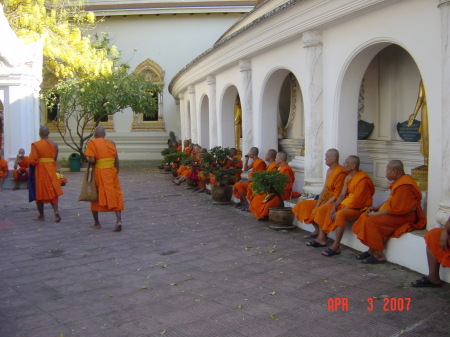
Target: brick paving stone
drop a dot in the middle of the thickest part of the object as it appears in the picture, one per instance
(184, 267)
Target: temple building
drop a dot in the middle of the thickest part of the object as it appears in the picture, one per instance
(308, 75)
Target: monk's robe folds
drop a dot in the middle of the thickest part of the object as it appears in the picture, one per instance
(404, 198)
(257, 165)
(360, 190)
(23, 167)
(110, 196)
(3, 168)
(48, 187)
(305, 210)
(432, 239)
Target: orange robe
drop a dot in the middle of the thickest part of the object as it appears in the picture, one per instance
(3, 168)
(43, 156)
(432, 239)
(405, 195)
(110, 196)
(179, 148)
(272, 167)
(259, 208)
(238, 165)
(305, 210)
(23, 167)
(257, 165)
(360, 190)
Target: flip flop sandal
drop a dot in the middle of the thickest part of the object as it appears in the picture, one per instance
(425, 283)
(330, 252)
(363, 256)
(315, 244)
(372, 260)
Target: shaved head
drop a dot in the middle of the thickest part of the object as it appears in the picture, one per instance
(233, 152)
(334, 153)
(100, 132)
(254, 151)
(397, 165)
(355, 161)
(271, 155)
(44, 131)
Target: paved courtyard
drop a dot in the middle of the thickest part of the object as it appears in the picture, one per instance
(184, 267)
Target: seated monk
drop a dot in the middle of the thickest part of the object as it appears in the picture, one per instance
(179, 146)
(236, 163)
(400, 213)
(202, 176)
(191, 170)
(270, 157)
(305, 210)
(355, 198)
(188, 150)
(20, 168)
(438, 253)
(259, 206)
(3, 169)
(241, 187)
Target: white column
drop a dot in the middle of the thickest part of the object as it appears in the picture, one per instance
(246, 94)
(312, 41)
(213, 139)
(444, 206)
(194, 121)
(184, 133)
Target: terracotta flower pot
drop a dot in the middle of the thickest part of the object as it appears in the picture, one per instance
(281, 218)
(222, 194)
(167, 168)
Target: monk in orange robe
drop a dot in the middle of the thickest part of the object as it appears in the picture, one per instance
(438, 253)
(44, 154)
(259, 206)
(237, 164)
(189, 151)
(270, 158)
(3, 169)
(400, 213)
(241, 187)
(305, 210)
(179, 146)
(355, 198)
(102, 154)
(21, 165)
(188, 171)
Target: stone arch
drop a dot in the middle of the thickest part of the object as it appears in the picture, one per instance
(379, 83)
(153, 72)
(204, 121)
(282, 121)
(226, 133)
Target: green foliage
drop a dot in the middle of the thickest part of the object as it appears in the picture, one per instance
(84, 102)
(167, 151)
(216, 168)
(174, 157)
(188, 161)
(220, 153)
(223, 175)
(269, 182)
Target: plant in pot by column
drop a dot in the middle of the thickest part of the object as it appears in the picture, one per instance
(164, 153)
(172, 161)
(191, 164)
(221, 176)
(273, 184)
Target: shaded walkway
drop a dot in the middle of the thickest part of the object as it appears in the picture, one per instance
(184, 267)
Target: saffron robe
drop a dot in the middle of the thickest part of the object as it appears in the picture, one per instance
(257, 165)
(110, 196)
(360, 191)
(22, 167)
(432, 239)
(3, 168)
(259, 208)
(47, 186)
(404, 214)
(272, 167)
(305, 210)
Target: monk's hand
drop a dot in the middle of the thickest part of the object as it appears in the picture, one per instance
(444, 241)
(333, 214)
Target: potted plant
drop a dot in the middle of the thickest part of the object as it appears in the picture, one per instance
(189, 161)
(273, 184)
(172, 161)
(222, 177)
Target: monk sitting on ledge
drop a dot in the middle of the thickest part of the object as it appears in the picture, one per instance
(400, 213)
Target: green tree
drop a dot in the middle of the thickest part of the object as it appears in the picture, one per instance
(83, 103)
(69, 51)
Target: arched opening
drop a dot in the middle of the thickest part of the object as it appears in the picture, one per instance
(204, 122)
(229, 119)
(380, 88)
(282, 110)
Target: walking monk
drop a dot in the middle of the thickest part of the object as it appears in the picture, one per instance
(260, 206)
(400, 213)
(103, 154)
(3, 169)
(305, 210)
(438, 253)
(43, 156)
(355, 198)
(20, 168)
(257, 165)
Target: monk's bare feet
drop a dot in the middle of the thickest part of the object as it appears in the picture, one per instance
(39, 218)
(96, 226)
(118, 227)
(57, 217)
